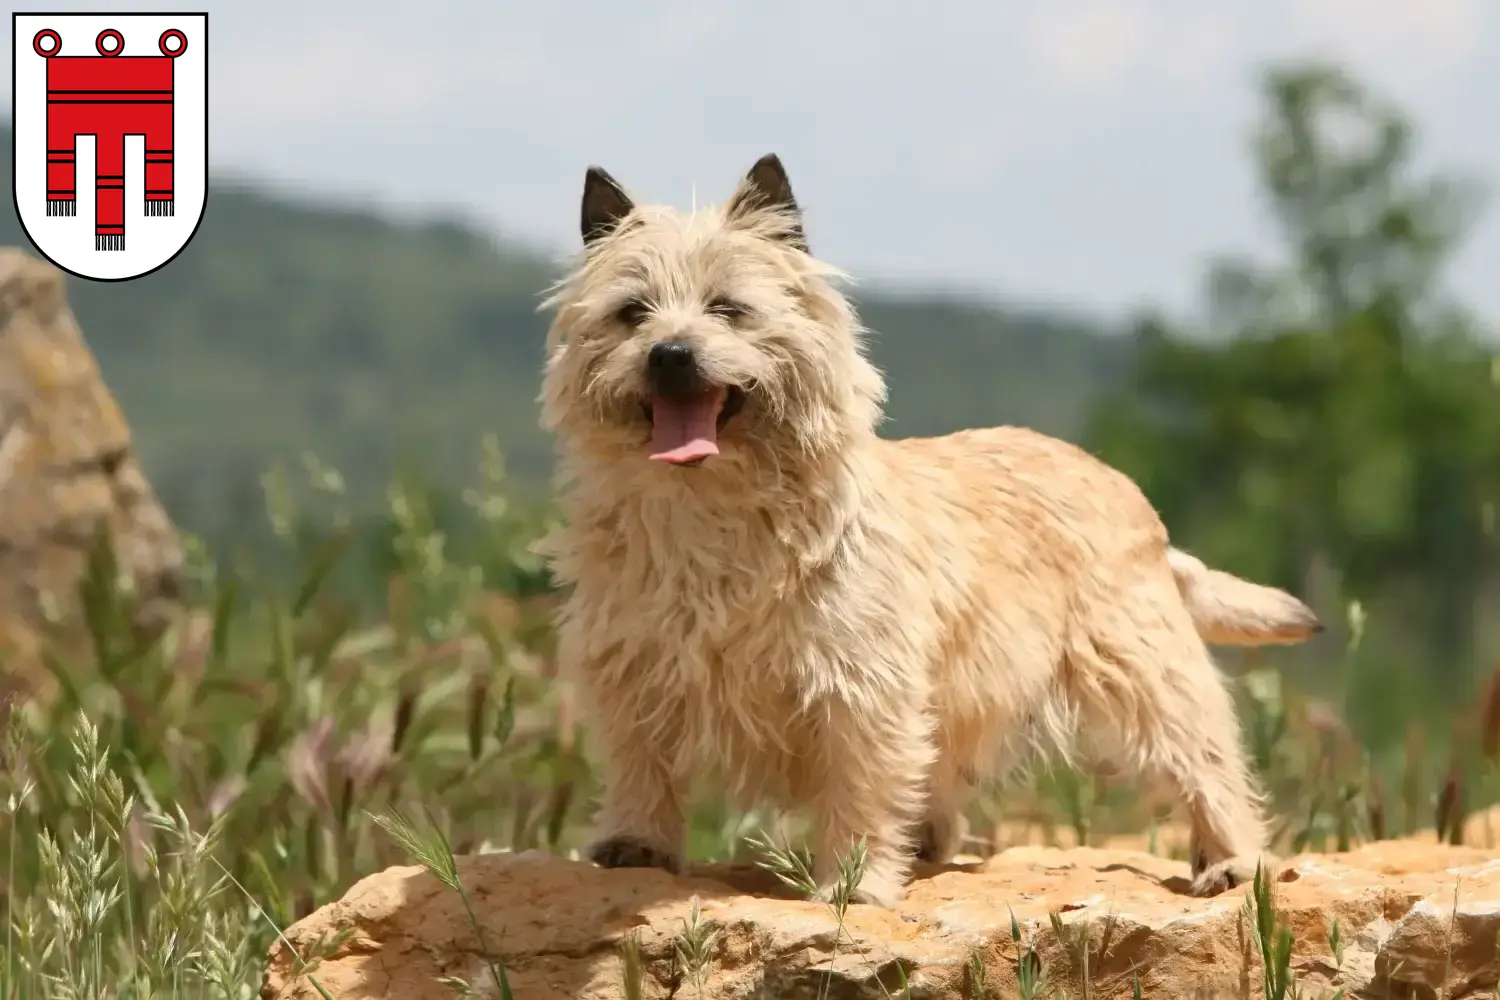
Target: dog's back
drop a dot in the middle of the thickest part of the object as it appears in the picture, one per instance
(1056, 504)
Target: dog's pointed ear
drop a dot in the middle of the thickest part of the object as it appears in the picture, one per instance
(766, 186)
(605, 203)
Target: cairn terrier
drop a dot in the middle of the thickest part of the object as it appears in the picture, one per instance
(766, 592)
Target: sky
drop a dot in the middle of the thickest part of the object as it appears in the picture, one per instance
(1090, 153)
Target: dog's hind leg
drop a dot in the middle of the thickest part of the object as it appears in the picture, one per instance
(870, 785)
(1142, 675)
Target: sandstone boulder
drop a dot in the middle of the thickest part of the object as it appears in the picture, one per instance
(67, 472)
(1415, 920)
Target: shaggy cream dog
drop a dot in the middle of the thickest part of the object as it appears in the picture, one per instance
(765, 591)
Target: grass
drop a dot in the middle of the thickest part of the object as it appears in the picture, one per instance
(794, 869)
(168, 808)
(430, 848)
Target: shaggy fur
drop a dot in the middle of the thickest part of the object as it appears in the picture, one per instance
(822, 618)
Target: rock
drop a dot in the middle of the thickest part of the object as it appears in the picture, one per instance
(559, 927)
(67, 471)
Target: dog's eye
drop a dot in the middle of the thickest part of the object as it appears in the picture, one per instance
(728, 309)
(632, 313)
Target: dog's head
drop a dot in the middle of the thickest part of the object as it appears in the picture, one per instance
(705, 338)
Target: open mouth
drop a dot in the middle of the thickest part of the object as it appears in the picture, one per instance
(685, 429)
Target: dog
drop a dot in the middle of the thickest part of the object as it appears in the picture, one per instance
(763, 590)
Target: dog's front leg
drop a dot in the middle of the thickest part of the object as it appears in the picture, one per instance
(873, 767)
(640, 822)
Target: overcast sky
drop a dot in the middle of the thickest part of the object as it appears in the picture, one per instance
(1084, 151)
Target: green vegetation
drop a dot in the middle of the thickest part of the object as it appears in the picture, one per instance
(1349, 425)
(372, 656)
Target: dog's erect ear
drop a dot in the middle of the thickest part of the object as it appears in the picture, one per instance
(605, 203)
(766, 186)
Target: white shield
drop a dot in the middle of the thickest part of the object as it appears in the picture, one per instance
(111, 137)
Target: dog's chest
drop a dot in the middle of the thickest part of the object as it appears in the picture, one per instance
(731, 622)
(709, 582)
(721, 625)
(737, 609)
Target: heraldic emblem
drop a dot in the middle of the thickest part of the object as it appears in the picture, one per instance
(111, 137)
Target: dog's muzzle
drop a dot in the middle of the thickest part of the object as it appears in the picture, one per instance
(686, 410)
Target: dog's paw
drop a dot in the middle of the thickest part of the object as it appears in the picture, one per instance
(1231, 873)
(630, 852)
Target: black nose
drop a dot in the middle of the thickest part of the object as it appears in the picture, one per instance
(672, 366)
(670, 354)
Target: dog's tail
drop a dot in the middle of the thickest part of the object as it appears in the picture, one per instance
(1229, 611)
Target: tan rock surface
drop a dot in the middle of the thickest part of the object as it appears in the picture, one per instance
(559, 926)
(67, 469)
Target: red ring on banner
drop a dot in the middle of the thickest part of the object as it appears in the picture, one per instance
(110, 33)
(161, 43)
(36, 43)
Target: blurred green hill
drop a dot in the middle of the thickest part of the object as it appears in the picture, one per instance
(378, 344)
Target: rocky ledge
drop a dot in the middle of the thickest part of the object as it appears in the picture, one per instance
(68, 473)
(1415, 920)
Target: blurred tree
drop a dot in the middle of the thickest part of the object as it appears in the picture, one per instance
(1340, 406)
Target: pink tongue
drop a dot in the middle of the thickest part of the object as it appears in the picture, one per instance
(685, 430)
